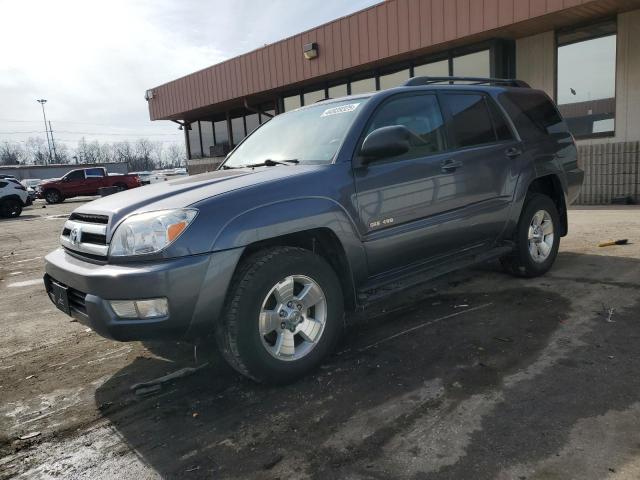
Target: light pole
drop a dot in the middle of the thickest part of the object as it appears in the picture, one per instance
(42, 101)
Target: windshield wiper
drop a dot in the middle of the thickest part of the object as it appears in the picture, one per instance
(272, 163)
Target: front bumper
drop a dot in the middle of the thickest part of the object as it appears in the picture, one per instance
(195, 287)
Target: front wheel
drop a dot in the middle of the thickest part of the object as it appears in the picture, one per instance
(537, 238)
(283, 315)
(53, 197)
(10, 208)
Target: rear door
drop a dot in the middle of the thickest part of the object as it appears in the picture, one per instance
(94, 180)
(483, 156)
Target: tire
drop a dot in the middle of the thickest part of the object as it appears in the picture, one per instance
(53, 196)
(245, 335)
(121, 187)
(10, 208)
(535, 250)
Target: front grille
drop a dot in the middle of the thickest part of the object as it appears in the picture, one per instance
(77, 300)
(89, 218)
(86, 235)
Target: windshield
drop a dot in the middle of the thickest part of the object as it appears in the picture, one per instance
(307, 135)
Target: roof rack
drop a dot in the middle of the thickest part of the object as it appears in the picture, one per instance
(509, 82)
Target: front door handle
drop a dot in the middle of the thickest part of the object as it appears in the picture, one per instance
(450, 165)
(513, 152)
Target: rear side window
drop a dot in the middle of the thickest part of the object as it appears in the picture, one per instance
(420, 114)
(533, 114)
(3, 184)
(470, 120)
(94, 172)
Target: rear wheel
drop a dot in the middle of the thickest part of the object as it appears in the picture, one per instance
(537, 238)
(53, 196)
(283, 314)
(121, 186)
(10, 208)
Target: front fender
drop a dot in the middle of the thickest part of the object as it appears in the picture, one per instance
(290, 216)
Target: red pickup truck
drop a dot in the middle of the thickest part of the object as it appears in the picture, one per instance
(84, 181)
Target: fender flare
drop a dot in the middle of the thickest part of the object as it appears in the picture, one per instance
(291, 216)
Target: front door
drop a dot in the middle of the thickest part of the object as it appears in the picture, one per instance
(400, 199)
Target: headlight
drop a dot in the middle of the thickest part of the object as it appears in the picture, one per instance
(150, 232)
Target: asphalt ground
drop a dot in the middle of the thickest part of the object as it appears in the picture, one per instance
(480, 376)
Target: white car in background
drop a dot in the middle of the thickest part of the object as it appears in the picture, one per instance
(13, 197)
(31, 184)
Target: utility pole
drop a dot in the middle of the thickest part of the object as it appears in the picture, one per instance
(53, 144)
(42, 101)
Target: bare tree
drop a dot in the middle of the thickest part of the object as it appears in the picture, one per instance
(37, 151)
(12, 153)
(175, 156)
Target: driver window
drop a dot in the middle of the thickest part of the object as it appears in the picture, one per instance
(421, 115)
(75, 175)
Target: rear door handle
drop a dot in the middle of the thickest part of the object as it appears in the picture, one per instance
(513, 152)
(450, 165)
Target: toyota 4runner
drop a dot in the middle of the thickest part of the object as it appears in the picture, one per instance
(320, 210)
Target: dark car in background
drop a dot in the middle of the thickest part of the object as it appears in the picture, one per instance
(320, 210)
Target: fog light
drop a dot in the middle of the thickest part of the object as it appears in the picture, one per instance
(152, 308)
(124, 308)
(158, 307)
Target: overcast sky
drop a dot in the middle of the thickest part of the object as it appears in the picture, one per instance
(93, 60)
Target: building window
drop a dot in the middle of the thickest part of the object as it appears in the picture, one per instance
(237, 129)
(252, 122)
(291, 103)
(222, 134)
(477, 64)
(338, 91)
(312, 97)
(433, 69)
(194, 141)
(363, 86)
(394, 79)
(206, 128)
(586, 83)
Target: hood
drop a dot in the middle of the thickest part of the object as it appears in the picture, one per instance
(50, 180)
(185, 191)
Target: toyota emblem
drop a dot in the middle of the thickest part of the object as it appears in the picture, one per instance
(75, 235)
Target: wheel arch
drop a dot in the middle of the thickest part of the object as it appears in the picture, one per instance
(317, 224)
(551, 186)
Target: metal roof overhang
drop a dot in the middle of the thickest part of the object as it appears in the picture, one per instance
(384, 34)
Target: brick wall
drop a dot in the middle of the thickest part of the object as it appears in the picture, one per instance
(611, 171)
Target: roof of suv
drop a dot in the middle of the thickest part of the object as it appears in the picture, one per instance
(438, 83)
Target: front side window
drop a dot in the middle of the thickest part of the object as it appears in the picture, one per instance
(586, 83)
(309, 135)
(421, 115)
(75, 175)
(470, 120)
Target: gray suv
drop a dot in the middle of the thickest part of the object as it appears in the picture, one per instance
(320, 210)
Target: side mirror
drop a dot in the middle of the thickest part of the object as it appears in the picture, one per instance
(385, 142)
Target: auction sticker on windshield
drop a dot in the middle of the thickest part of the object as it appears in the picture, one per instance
(341, 109)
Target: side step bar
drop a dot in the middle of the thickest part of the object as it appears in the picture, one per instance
(377, 290)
